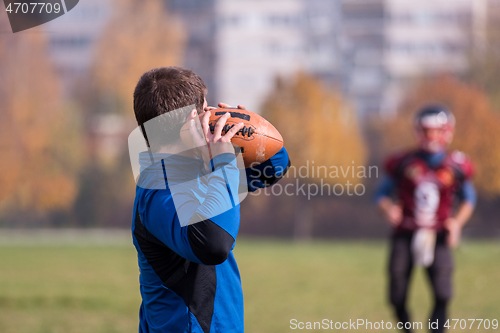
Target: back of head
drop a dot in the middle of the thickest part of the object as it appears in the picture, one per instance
(160, 100)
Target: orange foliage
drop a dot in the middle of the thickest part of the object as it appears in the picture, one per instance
(316, 124)
(32, 168)
(139, 37)
(477, 128)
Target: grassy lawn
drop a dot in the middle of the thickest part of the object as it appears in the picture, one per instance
(94, 289)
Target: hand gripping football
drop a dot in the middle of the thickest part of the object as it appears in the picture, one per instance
(257, 141)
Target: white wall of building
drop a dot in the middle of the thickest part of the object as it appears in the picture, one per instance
(255, 41)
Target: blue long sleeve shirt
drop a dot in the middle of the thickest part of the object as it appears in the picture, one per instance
(186, 220)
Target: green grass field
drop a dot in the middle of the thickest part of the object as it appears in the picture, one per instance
(92, 289)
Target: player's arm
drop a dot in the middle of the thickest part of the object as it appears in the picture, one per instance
(215, 223)
(202, 232)
(269, 172)
(391, 211)
(468, 198)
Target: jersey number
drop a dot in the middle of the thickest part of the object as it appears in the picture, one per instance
(426, 204)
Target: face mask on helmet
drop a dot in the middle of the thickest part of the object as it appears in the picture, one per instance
(434, 126)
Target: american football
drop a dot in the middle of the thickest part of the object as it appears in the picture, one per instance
(257, 141)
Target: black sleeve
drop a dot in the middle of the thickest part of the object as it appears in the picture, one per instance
(268, 172)
(209, 242)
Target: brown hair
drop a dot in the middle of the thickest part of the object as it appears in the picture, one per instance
(165, 89)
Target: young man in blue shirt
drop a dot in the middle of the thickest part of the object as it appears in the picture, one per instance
(186, 212)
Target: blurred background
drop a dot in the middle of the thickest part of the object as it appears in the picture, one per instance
(340, 79)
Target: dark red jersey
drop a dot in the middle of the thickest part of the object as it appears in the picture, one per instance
(427, 186)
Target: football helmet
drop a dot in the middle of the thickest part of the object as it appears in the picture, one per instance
(434, 127)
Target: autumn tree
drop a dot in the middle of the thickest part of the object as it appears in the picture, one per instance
(321, 133)
(39, 155)
(140, 36)
(477, 126)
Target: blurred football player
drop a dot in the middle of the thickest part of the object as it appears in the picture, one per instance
(417, 197)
